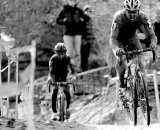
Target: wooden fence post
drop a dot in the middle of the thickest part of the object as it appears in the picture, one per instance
(31, 88)
(1, 82)
(156, 93)
(17, 68)
(8, 80)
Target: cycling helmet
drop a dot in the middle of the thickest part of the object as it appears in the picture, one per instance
(87, 8)
(68, 1)
(60, 48)
(132, 4)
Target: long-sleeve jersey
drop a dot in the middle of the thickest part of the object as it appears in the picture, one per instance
(123, 30)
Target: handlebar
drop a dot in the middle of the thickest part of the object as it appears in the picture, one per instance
(134, 52)
(61, 83)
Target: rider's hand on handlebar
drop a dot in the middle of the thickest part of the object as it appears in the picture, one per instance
(49, 80)
(154, 46)
(81, 19)
(73, 78)
(65, 19)
(119, 51)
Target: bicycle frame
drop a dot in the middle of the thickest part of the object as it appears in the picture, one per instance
(60, 92)
(134, 67)
(137, 85)
(61, 104)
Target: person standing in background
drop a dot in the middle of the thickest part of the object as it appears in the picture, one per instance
(156, 26)
(87, 38)
(73, 18)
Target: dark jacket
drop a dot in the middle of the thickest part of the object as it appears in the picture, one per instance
(157, 31)
(88, 32)
(75, 19)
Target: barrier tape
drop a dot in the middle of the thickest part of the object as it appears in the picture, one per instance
(7, 65)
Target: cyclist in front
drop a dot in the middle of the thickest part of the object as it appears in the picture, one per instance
(59, 64)
(123, 35)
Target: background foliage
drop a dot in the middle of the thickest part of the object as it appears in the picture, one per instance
(35, 19)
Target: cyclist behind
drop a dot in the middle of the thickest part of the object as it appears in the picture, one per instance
(123, 35)
(58, 71)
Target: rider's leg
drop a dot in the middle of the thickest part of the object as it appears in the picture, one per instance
(54, 115)
(121, 68)
(68, 98)
(54, 98)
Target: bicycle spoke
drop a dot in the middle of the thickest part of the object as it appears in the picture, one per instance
(144, 102)
(129, 107)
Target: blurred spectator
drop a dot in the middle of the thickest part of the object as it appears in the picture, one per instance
(73, 18)
(87, 38)
(156, 26)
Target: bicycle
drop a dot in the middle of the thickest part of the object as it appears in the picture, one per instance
(136, 86)
(61, 103)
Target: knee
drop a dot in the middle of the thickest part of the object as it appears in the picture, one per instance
(54, 93)
(142, 66)
(67, 94)
(120, 63)
(142, 63)
(121, 67)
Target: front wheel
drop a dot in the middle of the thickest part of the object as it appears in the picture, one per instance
(61, 107)
(132, 98)
(144, 101)
(135, 100)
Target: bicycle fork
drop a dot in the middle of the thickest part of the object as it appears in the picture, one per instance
(61, 102)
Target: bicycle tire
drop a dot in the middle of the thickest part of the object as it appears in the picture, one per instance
(61, 114)
(146, 105)
(135, 100)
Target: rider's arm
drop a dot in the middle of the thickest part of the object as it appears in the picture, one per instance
(148, 29)
(51, 69)
(114, 43)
